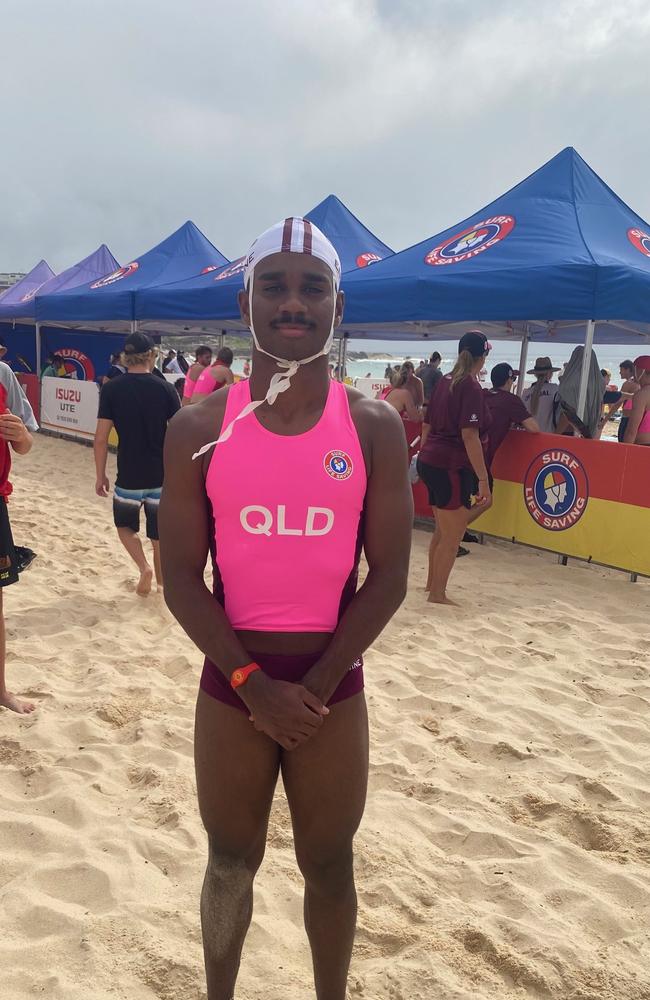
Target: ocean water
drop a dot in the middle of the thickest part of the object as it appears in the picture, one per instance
(609, 356)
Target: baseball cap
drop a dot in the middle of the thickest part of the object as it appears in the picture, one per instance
(501, 373)
(138, 343)
(475, 342)
(643, 363)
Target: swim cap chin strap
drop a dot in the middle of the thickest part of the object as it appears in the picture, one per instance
(281, 381)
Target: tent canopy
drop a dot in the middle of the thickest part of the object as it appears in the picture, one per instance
(213, 297)
(13, 298)
(556, 250)
(108, 302)
(94, 266)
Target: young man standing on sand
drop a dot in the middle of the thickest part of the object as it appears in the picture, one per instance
(203, 357)
(16, 422)
(214, 377)
(139, 406)
(285, 501)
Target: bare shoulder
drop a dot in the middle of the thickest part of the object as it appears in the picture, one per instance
(378, 425)
(201, 422)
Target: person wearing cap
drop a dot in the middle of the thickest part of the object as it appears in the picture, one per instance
(452, 462)
(305, 472)
(541, 398)
(506, 409)
(638, 427)
(214, 377)
(203, 358)
(139, 405)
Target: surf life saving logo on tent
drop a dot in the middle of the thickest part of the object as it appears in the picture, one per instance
(639, 240)
(556, 490)
(76, 363)
(471, 242)
(237, 267)
(366, 259)
(122, 272)
(210, 267)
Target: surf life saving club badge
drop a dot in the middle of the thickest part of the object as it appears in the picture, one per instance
(471, 242)
(338, 465)
(556, 490)
(122, 272)
(639, 240)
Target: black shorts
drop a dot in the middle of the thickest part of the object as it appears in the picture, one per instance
(622, 427)
(449, 489)
(126, 509)
(8, 564)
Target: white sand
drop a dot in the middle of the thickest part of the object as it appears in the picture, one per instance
(505, 849)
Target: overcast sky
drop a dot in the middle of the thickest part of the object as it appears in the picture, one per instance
(121, 120)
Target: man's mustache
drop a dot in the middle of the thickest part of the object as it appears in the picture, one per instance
(288, 320)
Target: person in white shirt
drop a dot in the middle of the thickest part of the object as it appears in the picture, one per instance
(541, 398)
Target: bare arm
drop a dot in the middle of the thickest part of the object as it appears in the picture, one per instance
(636, 416)
(530, 424)
(388, 524)
(412, 411)
(286, 712)
(474, 451)
(425, 434)
(13, 430)
(100, 448)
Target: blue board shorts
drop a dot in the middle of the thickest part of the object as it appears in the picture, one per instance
(126, 509)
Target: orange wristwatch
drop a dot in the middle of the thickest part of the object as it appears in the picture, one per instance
(241, 674)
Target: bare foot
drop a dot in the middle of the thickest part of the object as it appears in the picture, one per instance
(144, 583)
(443, 600)
(9, 700)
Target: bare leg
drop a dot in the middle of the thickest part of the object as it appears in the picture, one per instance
(236, 773)
(435, 538)
(7, 699)
(131, 542)
(325, 780)
(155, 545)
(452, 524)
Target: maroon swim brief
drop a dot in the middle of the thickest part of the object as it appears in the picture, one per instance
(282, 668)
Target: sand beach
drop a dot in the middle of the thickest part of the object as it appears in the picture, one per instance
(505, 850)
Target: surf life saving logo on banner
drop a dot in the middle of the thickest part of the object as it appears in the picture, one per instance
(338, 465)
(237, 267)
(122, 272)
(471, 242)
(640, 241)
(556, 490)
(77, 364)
(366, 259)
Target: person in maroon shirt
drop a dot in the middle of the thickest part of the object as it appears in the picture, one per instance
(505, 409)
(452, 463)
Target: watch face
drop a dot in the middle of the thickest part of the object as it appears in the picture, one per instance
(237, 677)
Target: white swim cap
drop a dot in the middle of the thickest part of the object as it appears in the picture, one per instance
(294, 235)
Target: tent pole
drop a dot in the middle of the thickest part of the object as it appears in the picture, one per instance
(222, 338)
(134, 326)
(344, 353)
(523, 360)
(586, 362)
(37, 330)
(340, 360)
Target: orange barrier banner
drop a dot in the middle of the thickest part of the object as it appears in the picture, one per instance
(586, 499)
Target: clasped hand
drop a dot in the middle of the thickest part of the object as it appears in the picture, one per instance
(288, 713)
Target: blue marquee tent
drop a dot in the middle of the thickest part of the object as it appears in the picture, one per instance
(100, 262)
(558, 250)
(108, 302)
(22, 293)
(213, 297)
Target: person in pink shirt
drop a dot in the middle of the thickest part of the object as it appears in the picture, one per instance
(203, 357)
(305, 473)
(214, 377)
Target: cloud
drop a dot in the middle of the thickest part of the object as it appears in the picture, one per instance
(122, 120)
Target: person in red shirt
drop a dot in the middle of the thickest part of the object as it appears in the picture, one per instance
(452, 462)
(505, 409)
